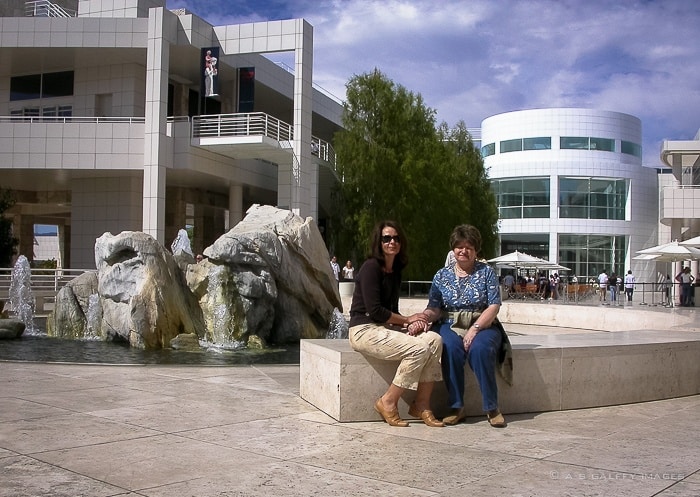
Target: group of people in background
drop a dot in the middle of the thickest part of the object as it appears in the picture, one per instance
(346, 273)
(611, 287)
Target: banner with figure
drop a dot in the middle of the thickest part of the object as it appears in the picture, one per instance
(210, 71)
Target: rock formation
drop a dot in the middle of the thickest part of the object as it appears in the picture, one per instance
(267, 280)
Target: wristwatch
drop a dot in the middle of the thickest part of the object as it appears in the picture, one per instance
(477, 326)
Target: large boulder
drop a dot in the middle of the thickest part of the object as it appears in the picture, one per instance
(70, 316)
(11, 328)
(143, 296)
(277, 285)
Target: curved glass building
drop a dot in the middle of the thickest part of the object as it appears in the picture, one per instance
(571, 187)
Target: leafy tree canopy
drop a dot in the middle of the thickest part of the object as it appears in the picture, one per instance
(395, 163)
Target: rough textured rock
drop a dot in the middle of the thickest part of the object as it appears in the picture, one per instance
(69, 319)
(142, 293)
(11, 328)
(268, 280)
(283, 288)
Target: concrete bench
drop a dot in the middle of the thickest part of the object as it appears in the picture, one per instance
(551, 372)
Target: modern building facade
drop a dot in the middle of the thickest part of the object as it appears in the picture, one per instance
(679, 198)
(571, 188)
(122, 115)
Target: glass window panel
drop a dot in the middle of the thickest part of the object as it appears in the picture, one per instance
(630, 148)
(540, 143)
(535, 212)
(57, 84)
(488, 150)
(604, 144)
(510, 199)
(65, 110)
(510, 212)
(511, 145)
(573, 142)
(25, 87)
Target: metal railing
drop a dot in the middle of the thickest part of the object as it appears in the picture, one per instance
(44, 8)
(255, 124)
(71, 119)
(245, 124)
(45, 283)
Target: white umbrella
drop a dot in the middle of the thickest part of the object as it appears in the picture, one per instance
(672, 252)
(519, 259)
(693, 242)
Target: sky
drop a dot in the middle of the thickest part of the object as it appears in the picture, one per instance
(471, 59)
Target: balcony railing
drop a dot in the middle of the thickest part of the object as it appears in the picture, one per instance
(255, 124)
(44, 8)
(71, 119)
(247, 124)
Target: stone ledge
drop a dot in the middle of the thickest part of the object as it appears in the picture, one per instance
(551, 372)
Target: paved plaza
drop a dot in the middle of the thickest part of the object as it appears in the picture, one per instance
(164, 430)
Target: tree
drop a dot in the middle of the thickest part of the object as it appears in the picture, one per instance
(7, 241)
(394, 163)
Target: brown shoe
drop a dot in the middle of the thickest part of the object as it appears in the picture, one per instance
(426, 415)
(391, 417)
(496, 419)
(455, 416)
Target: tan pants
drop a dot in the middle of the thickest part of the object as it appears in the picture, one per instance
(419, 356)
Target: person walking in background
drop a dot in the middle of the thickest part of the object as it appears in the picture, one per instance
(686, 280)
(612, 288)
(348, 271)
(335, 267)
(667, 290)
(378, 330)
(629, 285)
(603, 285)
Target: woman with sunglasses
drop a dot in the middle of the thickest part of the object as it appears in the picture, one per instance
(378, 330)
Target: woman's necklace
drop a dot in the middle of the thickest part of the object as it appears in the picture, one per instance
(461, 273)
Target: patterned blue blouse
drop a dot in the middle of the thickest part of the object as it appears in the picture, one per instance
(474, 292)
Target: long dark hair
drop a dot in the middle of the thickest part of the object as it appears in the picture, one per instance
(401, 259)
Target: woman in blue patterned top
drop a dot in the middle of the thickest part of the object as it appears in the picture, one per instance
(463, 303)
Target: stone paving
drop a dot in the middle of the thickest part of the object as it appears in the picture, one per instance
(155, 430)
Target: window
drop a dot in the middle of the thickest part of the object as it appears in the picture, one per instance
(588, 255)
(488, 150)
(573, 142)
(49, 85)
(522, 198)
(604, 144)
(592, 198)
(25, 87)
(630, 148)
(586, 143)
(540, 143)
(511, 145)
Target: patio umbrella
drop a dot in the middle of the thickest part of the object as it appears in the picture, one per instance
(672, 252)
(692, 242)
(519, 259)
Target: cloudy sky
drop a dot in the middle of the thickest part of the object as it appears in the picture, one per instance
(471, 59)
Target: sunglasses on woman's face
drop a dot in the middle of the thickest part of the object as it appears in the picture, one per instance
(389, 238)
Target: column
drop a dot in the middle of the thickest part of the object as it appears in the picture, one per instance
(155, 146)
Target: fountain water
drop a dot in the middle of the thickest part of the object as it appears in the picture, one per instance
(21, 297)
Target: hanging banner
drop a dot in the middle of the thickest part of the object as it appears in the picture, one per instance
(209, 68)
(246, 89)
